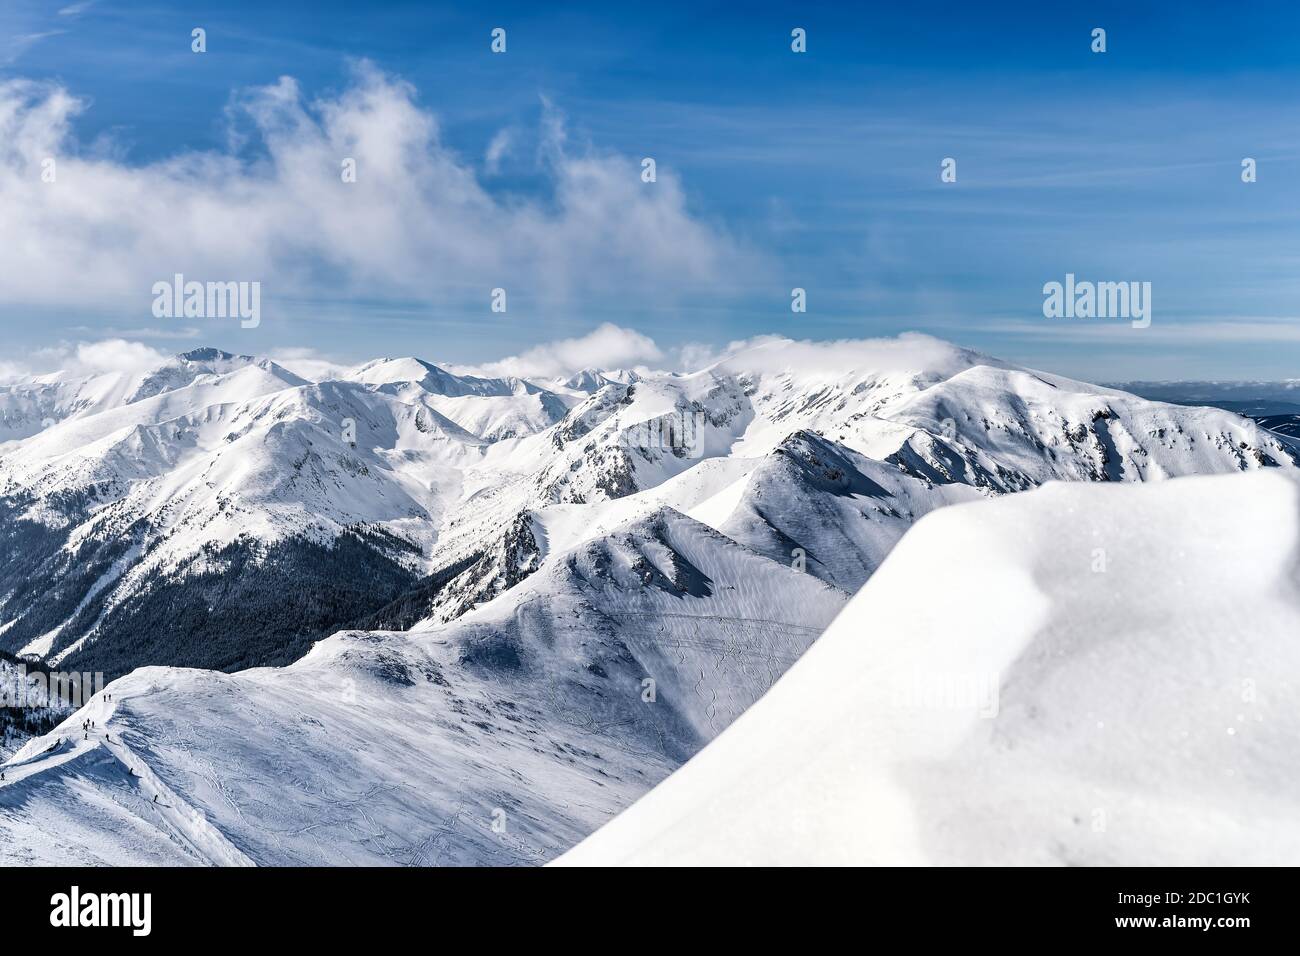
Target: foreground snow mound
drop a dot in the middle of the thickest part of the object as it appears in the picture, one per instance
(1083, 674)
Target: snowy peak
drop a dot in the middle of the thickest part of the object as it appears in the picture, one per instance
(591, 380)
(187, 367)
(438, 380)
(817, 505)
(494, 409)
(816, 460)
(824, 466)
(28, 408)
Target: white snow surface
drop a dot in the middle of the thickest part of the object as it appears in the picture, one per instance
(1084, 674)
(698, 530)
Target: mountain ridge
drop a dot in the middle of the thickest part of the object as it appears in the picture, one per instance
(215, 453)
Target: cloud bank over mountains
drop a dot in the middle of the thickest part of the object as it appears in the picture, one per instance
(606, 347)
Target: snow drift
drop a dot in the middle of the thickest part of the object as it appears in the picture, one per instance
(1082, 675)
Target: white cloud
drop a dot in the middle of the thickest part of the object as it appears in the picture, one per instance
(417, 223)
(309, 364)
(15, 45)
(908, 352)
(11, 371)
(497, 150)
(84, 359)
(115, 355)
(610, 346)
(606, 347)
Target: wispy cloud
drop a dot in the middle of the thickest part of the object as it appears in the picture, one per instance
(497, 149)
(142, 332)
(14, 46)
(1244, 330)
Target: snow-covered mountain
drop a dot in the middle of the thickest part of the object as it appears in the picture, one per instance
(492, 408)
(551, 708)
(1080, 675)
(29, 407)
(575, 585)
(129, 513)
(1273, 405)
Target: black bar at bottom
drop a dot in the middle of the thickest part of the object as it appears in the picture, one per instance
(651, 908)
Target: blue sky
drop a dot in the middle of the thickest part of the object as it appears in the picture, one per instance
(817, 170)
